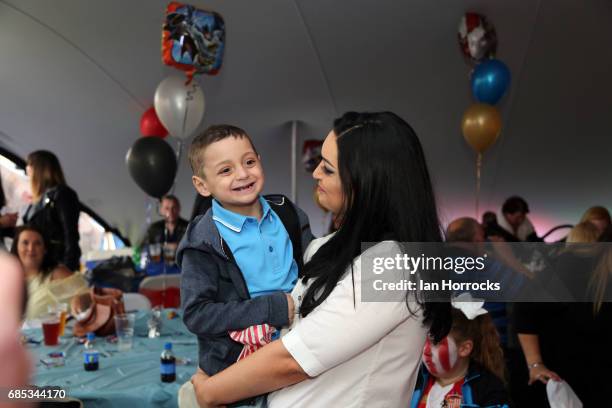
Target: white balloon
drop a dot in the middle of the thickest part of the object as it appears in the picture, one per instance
(179, 107)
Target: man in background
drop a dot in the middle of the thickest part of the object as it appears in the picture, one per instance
(171, 228)
(515, 221)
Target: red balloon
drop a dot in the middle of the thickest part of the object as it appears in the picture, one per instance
(150, 124)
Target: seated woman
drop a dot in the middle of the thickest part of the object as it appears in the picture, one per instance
(342, 351)
(49, 283)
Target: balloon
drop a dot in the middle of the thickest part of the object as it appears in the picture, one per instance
(180, 107)
(477, 37)
(481, 126)
(152, 164)
(193, 40)
(490, 80)
(150, 124)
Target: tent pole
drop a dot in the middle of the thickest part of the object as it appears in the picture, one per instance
(294, 161)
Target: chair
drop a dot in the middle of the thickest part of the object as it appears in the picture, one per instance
(136, 301)
(186, 396)
(162, 290)
(554, 230)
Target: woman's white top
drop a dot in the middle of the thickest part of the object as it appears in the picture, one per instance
(44, 292)
(359, 354)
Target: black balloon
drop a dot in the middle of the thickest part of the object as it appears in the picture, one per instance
(152, 164)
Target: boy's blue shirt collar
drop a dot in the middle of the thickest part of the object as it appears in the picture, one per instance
(235, 221)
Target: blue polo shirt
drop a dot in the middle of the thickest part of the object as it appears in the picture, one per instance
(262, 249)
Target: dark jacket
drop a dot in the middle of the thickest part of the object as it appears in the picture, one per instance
(57, 216)
(156, 234)
(481, 389)
(573, 340)
(200, 206)
(214, 295)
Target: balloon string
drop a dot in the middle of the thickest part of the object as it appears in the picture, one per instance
(188, 97)
(179, 151)
(148, 215)
(148, 211)
(478, 170)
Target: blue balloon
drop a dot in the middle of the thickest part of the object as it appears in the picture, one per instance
(490, 80)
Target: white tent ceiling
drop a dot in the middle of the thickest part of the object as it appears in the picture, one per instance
(75, 77)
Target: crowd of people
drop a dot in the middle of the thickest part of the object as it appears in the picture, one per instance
(47, 241)
(250, 264)
(546, 340)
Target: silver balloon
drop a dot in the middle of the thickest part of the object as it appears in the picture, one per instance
(180, 107)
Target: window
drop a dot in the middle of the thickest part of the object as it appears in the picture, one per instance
(94, 236)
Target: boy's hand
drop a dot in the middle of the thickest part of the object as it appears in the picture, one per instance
(291, 307)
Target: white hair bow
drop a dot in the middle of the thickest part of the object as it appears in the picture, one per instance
(470, 307)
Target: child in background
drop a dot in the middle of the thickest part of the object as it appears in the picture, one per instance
(466, 369)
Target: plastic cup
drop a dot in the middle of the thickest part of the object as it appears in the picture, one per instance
(124, 328)
(63, 316)
(61, 310)
(125, 340)
(51, 329)
(169, 253)
(155, 251)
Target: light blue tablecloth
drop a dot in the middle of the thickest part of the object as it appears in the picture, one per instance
(124, 379)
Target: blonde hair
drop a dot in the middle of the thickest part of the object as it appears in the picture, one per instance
(487, 349)
(584, 232)
(596, 213)
(46, 172)
(598, 283)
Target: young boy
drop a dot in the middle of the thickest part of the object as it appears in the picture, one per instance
(242, 257)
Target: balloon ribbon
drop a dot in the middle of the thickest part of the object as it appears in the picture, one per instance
(478, 170)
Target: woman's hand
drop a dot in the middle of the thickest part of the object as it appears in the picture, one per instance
(291, 308)
(198, 380)
(543, 374)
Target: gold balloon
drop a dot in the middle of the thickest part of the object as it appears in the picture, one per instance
(481, 125)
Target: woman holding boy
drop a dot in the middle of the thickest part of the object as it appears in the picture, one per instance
(342, 351)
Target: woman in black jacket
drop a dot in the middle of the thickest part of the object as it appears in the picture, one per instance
(55, 207)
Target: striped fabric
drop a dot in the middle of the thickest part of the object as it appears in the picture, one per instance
(253, 338)
(452, 399)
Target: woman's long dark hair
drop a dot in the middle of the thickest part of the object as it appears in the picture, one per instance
(2, 196)
(387, 194)
(46, 172)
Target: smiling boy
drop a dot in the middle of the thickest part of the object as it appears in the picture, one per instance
(241, 258)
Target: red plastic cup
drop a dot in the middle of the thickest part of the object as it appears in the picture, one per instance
(51, 329)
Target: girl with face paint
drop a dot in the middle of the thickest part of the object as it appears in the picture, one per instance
(465, 369)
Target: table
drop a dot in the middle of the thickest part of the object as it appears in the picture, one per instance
(124, 379)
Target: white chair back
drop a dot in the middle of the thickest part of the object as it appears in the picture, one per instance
(136, 301)
(160, 282)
